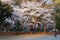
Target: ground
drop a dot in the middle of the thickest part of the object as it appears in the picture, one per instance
(30, 37)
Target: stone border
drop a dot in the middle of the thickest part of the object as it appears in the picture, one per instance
(28, 33)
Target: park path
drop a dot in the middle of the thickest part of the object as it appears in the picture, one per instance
(18, 37)
(30, 37)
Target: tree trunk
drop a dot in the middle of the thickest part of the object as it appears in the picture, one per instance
(45, 28)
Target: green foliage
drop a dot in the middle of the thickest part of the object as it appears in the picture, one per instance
(57, 13)
(57, 17)
(18, 25)
(17, 2)
(5, 11)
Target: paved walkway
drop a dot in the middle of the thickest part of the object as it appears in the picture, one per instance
(30, 37)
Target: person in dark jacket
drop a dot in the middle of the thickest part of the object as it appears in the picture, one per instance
(55, 33)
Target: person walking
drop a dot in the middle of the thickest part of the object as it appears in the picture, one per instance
(55, 33)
